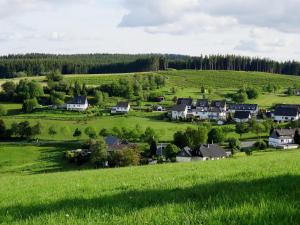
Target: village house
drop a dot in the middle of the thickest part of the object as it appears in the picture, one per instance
(286, 113)
(220, 104)
(283, 138)
(202, 104)
(78, 103)
(252, 108)
(121, 108)
(204, 152)
(242, 116)
(185, 101)
(179, 112)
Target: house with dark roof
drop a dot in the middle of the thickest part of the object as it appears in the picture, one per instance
(252, 108)
(78, 103)
(210, 152)
(286, 113)
(283, 138)
(221, 104)
(185, 155)
(242, 116)
(185, 101)
(121, 108)
(202, 104)
(179, 112)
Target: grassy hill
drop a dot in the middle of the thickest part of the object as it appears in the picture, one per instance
(260, 189)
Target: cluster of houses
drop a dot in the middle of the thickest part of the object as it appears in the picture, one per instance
(202, 109)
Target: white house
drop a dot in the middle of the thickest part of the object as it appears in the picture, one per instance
(242, 116)
(283, 138)
(78, 103)
(252, 108)
(286, 113)
(179, 112)
(121, 108)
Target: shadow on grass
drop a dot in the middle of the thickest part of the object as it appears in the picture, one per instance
(272, 200)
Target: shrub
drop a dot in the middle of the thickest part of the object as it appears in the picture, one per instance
(29, 105)
(125, 157)
(3, 111)
(234, 144)
(260, 145)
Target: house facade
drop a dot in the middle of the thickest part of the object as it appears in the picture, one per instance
(286, 113)
(121, 108)
(242, 116)
(179, 112)
(283, 138)
(252, 108)
(78, 103)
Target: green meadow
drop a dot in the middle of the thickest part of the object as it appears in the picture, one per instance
(259, 189)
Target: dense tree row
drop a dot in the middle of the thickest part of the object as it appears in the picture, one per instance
(41, 64)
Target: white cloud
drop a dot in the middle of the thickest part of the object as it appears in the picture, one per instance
(276, 14)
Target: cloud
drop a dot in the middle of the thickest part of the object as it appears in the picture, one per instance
(275, 14)
(10, 8)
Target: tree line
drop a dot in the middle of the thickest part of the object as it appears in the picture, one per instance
(42, 64)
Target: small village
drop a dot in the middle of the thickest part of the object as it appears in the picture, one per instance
(218, 112)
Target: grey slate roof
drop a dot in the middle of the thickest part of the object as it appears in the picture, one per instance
(122, 105)
(211, 151)
(78, 100)
(243, 107)
(111, 140)
(286, 111)
(242, 115)
(218, 104)
(185, 101)
(283, 133)
(179, 108)
(202, 103)
(185, 152)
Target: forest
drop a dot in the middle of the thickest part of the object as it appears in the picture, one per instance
(43, 64)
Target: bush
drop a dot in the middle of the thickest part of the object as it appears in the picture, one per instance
(29, 105)
(125, 157)
(234, 144)
(3, 111)
(260, 145)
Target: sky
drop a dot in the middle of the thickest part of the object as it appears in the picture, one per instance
(264, 28)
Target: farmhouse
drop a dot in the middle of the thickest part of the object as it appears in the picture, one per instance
(204, 152)
(179, 112)
(252, 108)
(121, 108)
(185, 101)
(242, 116)
(202, 104)
(78, 103)
(285, 113)
(220, 104)
(283, 138)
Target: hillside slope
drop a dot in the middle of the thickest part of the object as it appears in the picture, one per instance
(261, 189)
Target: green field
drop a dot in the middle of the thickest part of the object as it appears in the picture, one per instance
(260, 189)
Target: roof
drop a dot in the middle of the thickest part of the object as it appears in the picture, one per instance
(78, 100)
(214, 109)
(242, 115)
(283, 133)
(179, 108)
(286, 111)
(202, 103)
(243, 107)
(185, 101)
(111, 140)
(219, 104)
(185, 152)
(211, 151)
(122, 105)
(294, 106)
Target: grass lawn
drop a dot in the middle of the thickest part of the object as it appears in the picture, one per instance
(26, 158)
(260, 189)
